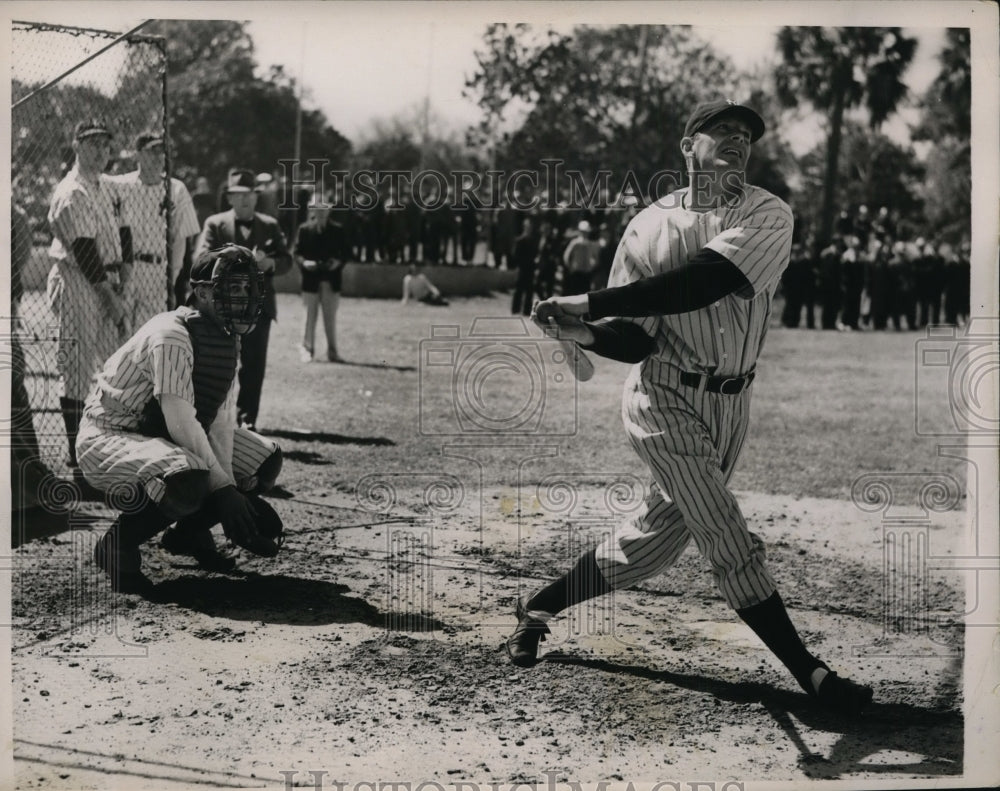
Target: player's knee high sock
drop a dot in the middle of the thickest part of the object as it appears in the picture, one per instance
(72, 410)
(584, 581)
(771, 623)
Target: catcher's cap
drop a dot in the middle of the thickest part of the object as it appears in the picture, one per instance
(706, 112)
(241, 181)
(148, 140)
(91, 128)
(212, 263)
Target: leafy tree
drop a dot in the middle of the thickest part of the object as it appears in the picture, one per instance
(598, 98)
(223, 114)
(835, 69)
(947, 111)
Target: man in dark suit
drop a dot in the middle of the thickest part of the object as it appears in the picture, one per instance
(244, 226)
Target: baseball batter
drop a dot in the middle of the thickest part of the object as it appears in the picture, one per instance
(159, 428)
(85, 281)
(695, 274)
(141, 196)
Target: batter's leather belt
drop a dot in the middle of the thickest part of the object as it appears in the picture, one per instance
(149, 258)
(726, 385)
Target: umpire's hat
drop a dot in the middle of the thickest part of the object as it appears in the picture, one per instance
(706, 112)
(241, 181)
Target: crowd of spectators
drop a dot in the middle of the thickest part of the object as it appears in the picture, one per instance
(877, 272)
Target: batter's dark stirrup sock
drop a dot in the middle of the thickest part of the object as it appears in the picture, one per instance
(72, 410)
(771, 623)
(583, 581)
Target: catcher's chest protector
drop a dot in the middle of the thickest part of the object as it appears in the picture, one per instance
(215, 358)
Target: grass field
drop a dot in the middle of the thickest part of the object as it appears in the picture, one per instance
(828, 407)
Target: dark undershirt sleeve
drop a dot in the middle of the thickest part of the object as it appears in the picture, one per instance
(706, 278)
(89, 260)
(620, 340)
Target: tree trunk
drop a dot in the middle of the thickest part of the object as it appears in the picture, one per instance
(832, 158)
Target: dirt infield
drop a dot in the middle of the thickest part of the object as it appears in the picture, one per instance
(369, 652)
(370, 649)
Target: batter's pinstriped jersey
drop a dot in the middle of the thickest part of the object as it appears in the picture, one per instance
(157, 360)
(84, 209)
(755, 233)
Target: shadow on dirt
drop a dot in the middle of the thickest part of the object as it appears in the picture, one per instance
(282, 599)
(324, 436)
(895, 728)
(382, 366)
(306, 457)
(33, 524)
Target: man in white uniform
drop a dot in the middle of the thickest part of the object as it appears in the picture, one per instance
(696, 272)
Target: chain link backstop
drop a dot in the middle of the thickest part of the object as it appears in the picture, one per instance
(57, 81)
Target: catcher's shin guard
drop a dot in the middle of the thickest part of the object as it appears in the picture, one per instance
(72, 411)
(117, 551)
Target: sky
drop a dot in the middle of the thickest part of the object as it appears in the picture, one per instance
(365, 61)
(368, 67)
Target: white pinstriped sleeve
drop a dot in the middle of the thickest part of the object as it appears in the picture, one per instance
(72, 216)
(172, 365)
(631, 263)
(185, 219)
(759, 242)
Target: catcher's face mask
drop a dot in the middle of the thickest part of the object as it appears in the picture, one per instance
(237, 287)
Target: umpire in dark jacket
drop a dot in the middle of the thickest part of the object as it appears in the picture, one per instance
(244, 226)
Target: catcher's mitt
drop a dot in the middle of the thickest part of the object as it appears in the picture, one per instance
(263, 535)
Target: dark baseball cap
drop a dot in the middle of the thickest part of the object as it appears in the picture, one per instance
(241, 181)
(706, 112)
(214, 262)
(148, 140)
(91, 128)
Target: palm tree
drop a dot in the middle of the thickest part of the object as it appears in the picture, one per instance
(838, 68)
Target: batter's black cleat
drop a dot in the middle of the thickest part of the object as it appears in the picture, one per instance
(522, 646)
(842, 695)
(200, 545)
(123, 565)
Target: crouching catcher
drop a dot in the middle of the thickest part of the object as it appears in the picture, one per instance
(159, 431)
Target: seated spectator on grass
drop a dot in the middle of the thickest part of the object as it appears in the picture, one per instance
(417, 286)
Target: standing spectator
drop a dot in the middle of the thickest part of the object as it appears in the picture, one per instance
(853, 273)
(320, 253)
(901, 303)
(85, 281)
(395, 230)
(415, 222)
(468, 221)
(580, 260)
(204, 203)
(438, 227)
(267, 194)
(502, 235)
(550, 249)
(156, 285)
(884, 225)
(880, 281)
(246, 227)
(928, 281)
(958, 272)
(605, 258)
(793, 285)
(523, 259)
(830, 283)
(862, 226)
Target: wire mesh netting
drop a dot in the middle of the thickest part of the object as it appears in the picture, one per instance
(52, 348)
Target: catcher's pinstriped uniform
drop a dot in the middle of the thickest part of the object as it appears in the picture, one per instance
(689, 437)
(158, 360)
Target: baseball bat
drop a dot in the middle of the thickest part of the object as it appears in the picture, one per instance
(580, 365)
